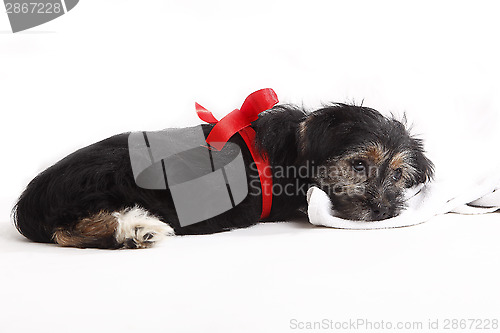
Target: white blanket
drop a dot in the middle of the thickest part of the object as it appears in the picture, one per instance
(481, 195)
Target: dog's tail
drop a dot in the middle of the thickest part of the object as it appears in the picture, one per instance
(29, 214)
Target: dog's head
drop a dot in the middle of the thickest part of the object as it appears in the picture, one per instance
(362, 160)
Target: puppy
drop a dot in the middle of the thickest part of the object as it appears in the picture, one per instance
(363, 160)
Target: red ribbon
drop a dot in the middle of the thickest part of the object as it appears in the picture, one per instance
(239, 121)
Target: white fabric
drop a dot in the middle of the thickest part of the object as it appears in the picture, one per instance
(423, 203)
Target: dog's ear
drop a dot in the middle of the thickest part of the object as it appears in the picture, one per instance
(424, 168)
(276, 133)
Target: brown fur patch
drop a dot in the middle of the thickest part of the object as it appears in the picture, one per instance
(376, 154)
(399, 160)
(95, 231)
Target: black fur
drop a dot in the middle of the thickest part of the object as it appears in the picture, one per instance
(99, 177)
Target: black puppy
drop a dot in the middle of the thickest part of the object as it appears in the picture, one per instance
(363, 160)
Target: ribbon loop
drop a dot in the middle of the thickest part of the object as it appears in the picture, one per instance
(258, 101)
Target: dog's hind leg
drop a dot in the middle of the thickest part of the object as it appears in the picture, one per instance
(131, 228)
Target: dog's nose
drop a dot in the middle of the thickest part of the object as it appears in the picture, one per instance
(380, 212)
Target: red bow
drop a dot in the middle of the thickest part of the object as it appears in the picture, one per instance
(239, 121)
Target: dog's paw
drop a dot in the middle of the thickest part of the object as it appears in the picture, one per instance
(137, 229)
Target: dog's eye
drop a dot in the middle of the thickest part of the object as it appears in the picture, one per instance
(358, 166)
(397, 174)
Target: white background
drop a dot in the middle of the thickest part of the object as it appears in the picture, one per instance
(113, 66)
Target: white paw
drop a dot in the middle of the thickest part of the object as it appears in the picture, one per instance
(137, 229)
